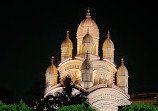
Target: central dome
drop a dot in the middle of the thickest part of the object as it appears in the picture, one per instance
(88, 23)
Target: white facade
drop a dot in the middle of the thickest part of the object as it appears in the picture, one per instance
(95, 76)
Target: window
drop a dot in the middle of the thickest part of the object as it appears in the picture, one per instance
(94, 50)
(91, 50)
(80, 52)
(84, 50)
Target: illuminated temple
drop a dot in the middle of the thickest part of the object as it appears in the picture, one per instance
(93, 75)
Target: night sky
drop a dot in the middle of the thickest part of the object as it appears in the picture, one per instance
(32, 32)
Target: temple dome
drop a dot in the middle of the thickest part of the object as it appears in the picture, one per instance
(87, 39)
(108, 42)
(67, 42)
(88, 22)
(52, 68)
(122, 70)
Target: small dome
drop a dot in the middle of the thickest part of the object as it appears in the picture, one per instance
(87, 39)
(85, 24)
(52, 70)
(122, 70)
(67, 42)
(108, 43)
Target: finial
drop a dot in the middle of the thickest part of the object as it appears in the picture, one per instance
(122, 62)
(108, 36)
(52, 60)
(88, 10)
(67, 33)
(88, 13)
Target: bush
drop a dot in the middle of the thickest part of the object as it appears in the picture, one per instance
(15, 107)
(76, 108)
(139, 107)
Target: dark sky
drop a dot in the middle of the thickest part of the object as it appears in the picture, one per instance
(32, 32)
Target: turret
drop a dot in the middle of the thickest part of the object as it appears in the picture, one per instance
(122, 77)
(51, 74)
(87, 73)
(108, 49)
(66, 48)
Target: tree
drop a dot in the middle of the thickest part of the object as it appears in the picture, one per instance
(139, 107)
(79, 107)
(15, 107)
(64, 98)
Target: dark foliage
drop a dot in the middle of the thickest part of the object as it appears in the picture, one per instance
(76, 108)
(64, 98)
(139, 107)
(15, 107)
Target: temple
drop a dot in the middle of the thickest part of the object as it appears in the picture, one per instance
(93, 75)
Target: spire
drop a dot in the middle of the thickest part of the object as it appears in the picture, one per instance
(88, 13)
(108, 36)
(122, 62)
(67, 34)
(52, 60)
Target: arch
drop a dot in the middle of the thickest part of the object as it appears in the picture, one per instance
(108, 96)
(71, 67)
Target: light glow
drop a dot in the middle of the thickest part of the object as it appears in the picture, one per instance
(65, 61)
(80, 58)
(68, 62)
(109, 62)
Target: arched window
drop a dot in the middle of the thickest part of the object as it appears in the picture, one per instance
(55, 80)
(94, 50)
(84, 50)
(91, 50)
(70, 52)
(80, 52)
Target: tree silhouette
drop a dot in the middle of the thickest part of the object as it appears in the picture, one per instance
(64, 98)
